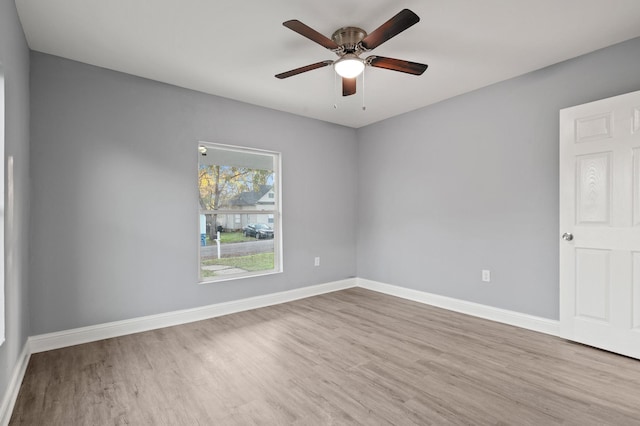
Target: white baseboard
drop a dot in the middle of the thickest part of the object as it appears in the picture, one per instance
(50, 341)
(61, 339)
(529, 322)
(76, 336)
(13, 388)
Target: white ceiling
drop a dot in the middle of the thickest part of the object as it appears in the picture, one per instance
(234, 48)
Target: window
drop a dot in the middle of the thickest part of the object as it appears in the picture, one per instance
(240, 226)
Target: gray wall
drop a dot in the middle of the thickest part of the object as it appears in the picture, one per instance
(114, 206)
(471, 183)
(14, 60)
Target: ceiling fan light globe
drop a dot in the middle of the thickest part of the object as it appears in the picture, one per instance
(349, 66)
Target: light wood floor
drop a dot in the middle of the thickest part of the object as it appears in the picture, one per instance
(350, 357)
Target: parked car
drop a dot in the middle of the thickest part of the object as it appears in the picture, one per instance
(258, 230)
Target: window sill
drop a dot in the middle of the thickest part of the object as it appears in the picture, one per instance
(222, 278)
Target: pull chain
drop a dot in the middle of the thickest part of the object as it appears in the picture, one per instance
(335, 90)
(364, 108)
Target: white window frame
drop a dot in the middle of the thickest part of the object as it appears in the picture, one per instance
(5, 226)
(278, 266)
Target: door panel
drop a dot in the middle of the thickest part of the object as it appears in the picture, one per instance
(593, 128)
(636, 187)
(636, 291)
(592, 284)
(593, 195)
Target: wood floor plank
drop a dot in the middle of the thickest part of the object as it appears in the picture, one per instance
(352, 357)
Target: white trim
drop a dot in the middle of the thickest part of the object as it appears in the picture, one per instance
(13, 388)
(61, 339)
(238, 276)
(526, 321)
(6, 225)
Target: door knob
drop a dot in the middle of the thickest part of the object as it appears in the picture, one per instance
(567, 236)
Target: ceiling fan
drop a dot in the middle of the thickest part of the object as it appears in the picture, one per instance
(350, 42)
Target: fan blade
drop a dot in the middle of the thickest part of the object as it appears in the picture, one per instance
(396, 65)
(303, 69)
(394, 26)
(348, 86)
(311, 34)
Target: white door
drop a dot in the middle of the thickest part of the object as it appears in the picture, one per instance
(600, 223)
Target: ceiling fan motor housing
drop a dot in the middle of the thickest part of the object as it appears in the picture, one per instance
(349, 39)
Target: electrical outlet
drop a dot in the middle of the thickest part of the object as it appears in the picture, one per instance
(486, 275)
(316, 261)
